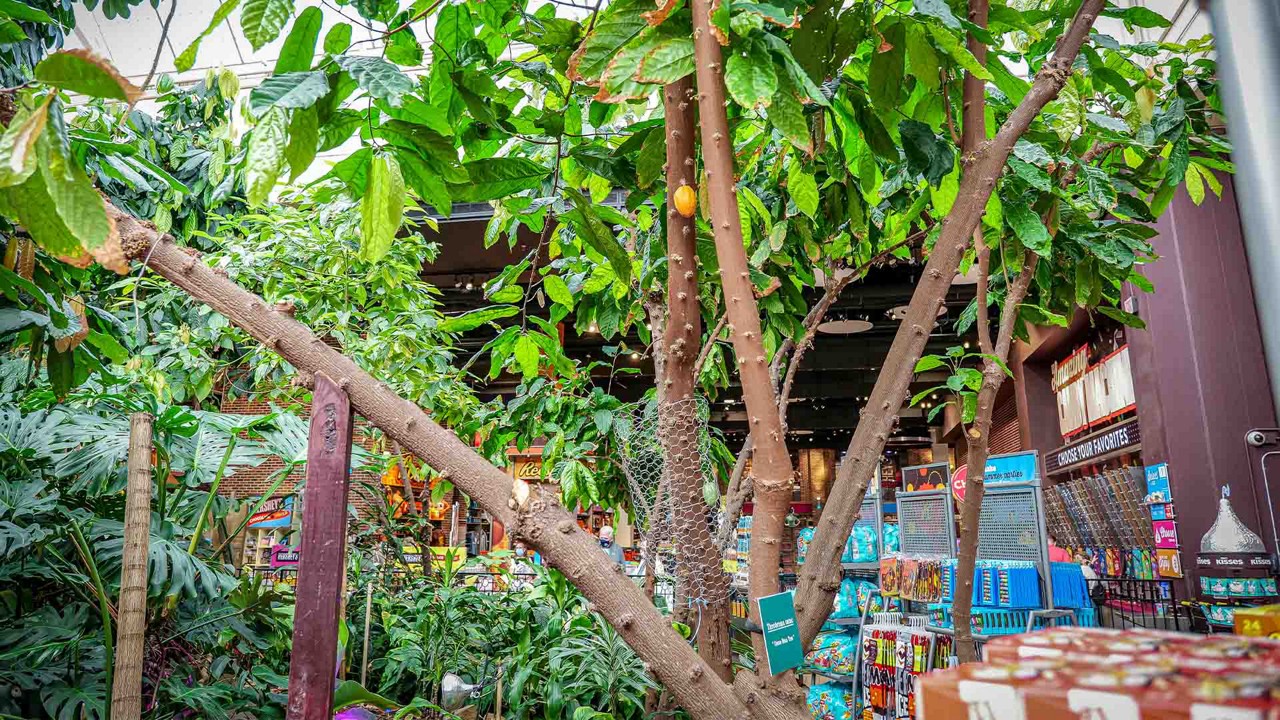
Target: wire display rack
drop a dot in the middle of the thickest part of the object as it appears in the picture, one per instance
(926, 523)
(1012, 527)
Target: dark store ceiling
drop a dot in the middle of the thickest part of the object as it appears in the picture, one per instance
(834, 378)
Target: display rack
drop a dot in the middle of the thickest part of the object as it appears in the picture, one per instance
(926, 523)
(1012, 527)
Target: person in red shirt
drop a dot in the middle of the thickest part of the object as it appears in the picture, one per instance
(1058, 553)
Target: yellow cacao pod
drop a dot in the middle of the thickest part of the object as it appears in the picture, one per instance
(686, 200)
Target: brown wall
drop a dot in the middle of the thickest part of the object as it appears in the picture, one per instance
(1198, 368)
(1199, 372)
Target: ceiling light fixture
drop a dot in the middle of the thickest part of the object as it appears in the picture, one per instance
(844, 327)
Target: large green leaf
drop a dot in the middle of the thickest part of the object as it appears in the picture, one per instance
(951, 45)
(31, 206)
(924, 61)
(382, 208)
(262, 20)
(290, 90)
(350, 692)
(475, 318)
(527, 355)
(651, 158)
(940, 10)
(18, 144)
(300, 44)
(887, 67)
(558, 290)
(667, 61)
(376, 76)
(787, 114)
(750, 77)
(75, 198)
(598, 235)
(493, 178)
(265, 155)
(304, 136)
(22, 11)
(1028, 227)
(615, 26)
(187, 58)
(926, 153)
(83, 72)
(803, 188)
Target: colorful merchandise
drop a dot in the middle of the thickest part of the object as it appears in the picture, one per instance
(803, 539)
(861, 547)
(846, 603)
(1263, 621)
(894, 656)
(892, 538)
(1068, 673)
(831, 701)
(836, 653)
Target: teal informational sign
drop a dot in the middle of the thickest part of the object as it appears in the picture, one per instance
(781, 632)
(1012, 468)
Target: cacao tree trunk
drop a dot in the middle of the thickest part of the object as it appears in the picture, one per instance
(820, 576)
(698, 559)
(979, 435)
(771, 470)
(536, 518)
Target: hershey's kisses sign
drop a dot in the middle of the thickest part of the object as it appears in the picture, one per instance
(1094, 446)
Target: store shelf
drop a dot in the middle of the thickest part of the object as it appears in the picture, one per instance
(846, 622)
(823, 672)
(950, 632)
(861, 567)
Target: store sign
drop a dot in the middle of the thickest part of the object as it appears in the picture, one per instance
(781, 632)
(1093, 447)
(926, 477)
(275, 513)
(1168, 563)
(283, 556)
(959, 480)
(1166, 532)
(1012, 468)
(1158, 490)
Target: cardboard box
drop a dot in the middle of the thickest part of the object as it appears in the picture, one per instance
(1261, 621)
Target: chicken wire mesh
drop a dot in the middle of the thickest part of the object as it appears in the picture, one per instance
(675, 496)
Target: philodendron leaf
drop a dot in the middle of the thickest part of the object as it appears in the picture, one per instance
(382, 209)
(81, 71)
(81, 208)
(262, 20)
(265, 156)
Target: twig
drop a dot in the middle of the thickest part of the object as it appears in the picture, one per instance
(712, 338)
(164, 38)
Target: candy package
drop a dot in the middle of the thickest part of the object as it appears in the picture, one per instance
(837, 653)
(803, 540)
(831, 701)
(845, 604)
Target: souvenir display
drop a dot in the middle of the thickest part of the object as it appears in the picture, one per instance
(894, 656)
(803, 538)
(1069, 672)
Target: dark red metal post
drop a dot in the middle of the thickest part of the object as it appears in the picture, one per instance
(313, 662)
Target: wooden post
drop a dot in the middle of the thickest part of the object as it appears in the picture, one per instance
(368, 613)
(322, 560)
(131, 628)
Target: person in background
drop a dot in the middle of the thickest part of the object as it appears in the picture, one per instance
(610, 547)
(1057, 553)
(522, 572)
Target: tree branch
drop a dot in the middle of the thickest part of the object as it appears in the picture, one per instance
(528, 513)
(712, 338)
(820, 576)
